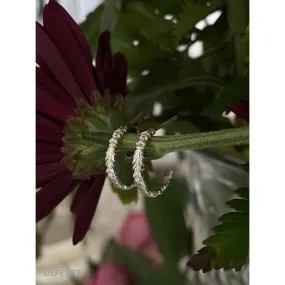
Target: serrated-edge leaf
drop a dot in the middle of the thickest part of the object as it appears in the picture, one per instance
(243, 192)
(245, 166)
(240, 205)
(233, 230)
(232, 217)
(223, 238)
(224, 228)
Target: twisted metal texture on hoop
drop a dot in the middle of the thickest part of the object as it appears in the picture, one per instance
(110, 159)
(139, 167)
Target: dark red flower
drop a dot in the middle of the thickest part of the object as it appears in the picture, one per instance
(65, 76)
(241, 109)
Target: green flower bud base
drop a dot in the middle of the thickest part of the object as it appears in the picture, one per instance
(86, 158)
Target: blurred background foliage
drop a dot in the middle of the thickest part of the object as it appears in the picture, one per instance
(158, 39)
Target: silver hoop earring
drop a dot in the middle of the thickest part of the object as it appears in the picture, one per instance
(111, 155)
(139, 166)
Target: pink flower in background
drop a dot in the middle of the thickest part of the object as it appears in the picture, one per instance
(112, 274)
(135, 233)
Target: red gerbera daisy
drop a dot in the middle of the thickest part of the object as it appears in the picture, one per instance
(68, 95)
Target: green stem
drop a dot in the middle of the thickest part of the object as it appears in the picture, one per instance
(158, 146)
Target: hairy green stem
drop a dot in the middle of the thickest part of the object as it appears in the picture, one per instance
(158, 146)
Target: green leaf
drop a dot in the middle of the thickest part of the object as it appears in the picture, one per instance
(243, 193)
(144, 101)
(166, 219)
(245, 167)
(92, 266)
(238, 19)
(140, 267)
(152, 26)
(191, 15)
(237, 90)
(233, 217)
(163, 7)
(139, 22)
(218, 51)
(238, 16)
(156, 78)
(215, 35)
(137, 263)
(91, 27)
(228, 247)
(166, 274)
(109, 254)
(238, 205)
(126, 197)
(124, 170)
(110, 15)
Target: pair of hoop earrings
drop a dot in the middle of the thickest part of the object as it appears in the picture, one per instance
(138, 160)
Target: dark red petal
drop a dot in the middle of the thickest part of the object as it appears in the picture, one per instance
(104, 62)
(80, 193)
(119, 75)
(48, 172)
(57, 122)
(75, 29)
(48, 152)
(71, 43)
(43, 158)
(52, 60)
(47, 131)
(85, 213)
(52, 194)
(241, 109)
(53, 88)
(47, 104)
(40, 61)
(48, 124)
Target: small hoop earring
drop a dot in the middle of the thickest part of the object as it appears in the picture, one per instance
(111, 155)
(139, 166)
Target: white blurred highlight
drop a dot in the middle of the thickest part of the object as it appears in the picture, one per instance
(196, 49)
